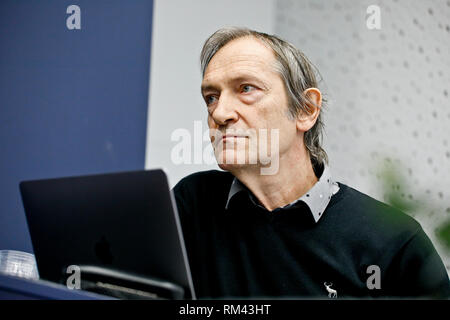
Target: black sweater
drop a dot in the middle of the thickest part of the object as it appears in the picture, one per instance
(246, 251)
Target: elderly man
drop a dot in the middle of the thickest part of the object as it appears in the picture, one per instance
(274, 223)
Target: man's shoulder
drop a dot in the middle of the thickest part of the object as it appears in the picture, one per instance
(367, 212)
(201, 192)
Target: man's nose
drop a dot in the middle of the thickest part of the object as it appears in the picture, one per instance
(225, 111)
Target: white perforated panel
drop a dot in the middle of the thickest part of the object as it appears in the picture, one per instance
(388, 93)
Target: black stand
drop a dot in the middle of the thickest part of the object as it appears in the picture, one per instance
(124, 285)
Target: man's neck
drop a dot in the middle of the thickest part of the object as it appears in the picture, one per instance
(293, 179)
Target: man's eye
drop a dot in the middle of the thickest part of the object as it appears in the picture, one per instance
(247, 88)
(210, 99)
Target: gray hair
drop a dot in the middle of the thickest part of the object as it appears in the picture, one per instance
(297, 72)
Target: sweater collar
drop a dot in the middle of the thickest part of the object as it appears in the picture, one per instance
(317, 198)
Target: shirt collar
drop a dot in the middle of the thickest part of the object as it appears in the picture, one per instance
(317, 198)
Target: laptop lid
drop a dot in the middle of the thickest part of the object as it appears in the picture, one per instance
(124, 221)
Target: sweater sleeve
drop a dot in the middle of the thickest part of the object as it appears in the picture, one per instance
(419, 271)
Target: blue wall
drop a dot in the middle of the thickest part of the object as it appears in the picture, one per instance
(71, 101)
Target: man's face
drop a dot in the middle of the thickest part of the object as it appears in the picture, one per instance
(244, 94)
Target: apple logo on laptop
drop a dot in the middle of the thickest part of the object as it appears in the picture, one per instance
(103, 251)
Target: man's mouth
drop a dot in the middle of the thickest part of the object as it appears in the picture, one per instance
(232, 136)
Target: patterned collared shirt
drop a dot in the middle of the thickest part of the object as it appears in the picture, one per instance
(317, 198)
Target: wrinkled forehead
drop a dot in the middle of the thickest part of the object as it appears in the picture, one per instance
(242, 55)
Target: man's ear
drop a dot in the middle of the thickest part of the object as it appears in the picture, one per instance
(306, 120)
